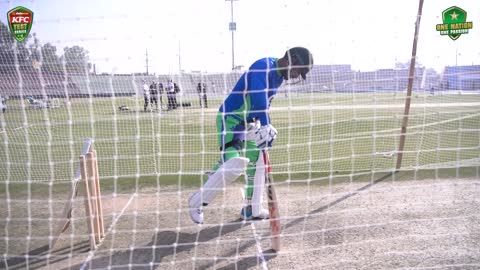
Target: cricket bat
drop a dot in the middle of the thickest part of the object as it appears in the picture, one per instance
(274, 214)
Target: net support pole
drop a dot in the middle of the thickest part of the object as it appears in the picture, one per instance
(411, 77)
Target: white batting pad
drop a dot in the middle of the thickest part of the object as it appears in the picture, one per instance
(259, 186)
(227, 173)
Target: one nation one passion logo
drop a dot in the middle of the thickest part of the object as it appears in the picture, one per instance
(20, 21)
(454, 23)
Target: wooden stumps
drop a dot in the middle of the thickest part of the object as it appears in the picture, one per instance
(86, 183)
(92, 199)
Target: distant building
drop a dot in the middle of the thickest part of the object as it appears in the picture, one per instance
(341, 78)
(44, 84)
(466, 78)
(331, 77)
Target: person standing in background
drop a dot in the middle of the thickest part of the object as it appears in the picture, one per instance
(169, 88)
(154, 95)
(176, 90)
(202, 94)
(146, 95)
(3, 105)
(160, 93)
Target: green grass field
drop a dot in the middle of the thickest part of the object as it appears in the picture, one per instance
(320, 136)
(331, 170)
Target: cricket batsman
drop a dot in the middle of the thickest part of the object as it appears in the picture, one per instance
(244, 128)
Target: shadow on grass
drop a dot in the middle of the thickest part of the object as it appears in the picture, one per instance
(170, 243)
(339, 200)
(18, 190)
(251, 261)
(41, 257)
(270, 254)
(167, 244)
(163, 244)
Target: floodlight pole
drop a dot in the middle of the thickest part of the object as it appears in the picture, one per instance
(232, 26)
(146, 59)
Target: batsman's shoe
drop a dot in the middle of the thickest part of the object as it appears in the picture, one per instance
(196, 212)
(246, 214)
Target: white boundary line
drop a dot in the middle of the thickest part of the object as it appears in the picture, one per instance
(373, 106)
(259, 247)
(22, 127)
(257, 239)
(324, 107)
(364, 106)
(92, 252)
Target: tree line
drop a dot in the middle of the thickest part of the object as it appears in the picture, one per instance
(31, 55)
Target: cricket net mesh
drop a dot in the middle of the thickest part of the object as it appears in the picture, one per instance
(342, 201)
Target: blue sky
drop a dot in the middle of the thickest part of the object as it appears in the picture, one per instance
(367, 34)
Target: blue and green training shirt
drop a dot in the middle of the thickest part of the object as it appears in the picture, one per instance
(253, 91)
(249, 99)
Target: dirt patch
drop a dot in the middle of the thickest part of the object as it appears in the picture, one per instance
(389, 224)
